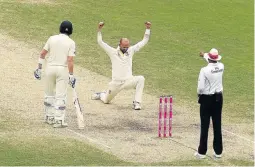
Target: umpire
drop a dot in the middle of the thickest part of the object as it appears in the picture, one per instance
(210, 99)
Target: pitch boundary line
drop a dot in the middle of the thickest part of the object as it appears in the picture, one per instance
(242, 137)
(106, 146)
(88, 138)
(239, 136)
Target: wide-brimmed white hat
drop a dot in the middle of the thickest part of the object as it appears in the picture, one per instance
(213, 55)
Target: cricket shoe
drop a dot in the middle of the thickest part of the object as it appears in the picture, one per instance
(59, 124)
(49, 120)
(217, 156)
(136, 105)
(199, 156)
(96, 96)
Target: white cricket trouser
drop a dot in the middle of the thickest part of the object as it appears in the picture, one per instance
(135, 82)
(56, 80)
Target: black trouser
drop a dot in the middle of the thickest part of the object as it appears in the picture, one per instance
(210, 106)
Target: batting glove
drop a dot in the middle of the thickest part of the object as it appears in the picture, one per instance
(37, 74)
(72, 80)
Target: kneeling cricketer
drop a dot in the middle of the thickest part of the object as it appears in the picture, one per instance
(121, 59)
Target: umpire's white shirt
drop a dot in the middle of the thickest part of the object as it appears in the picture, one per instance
(210, 79)
(122, 63)
(59, 48)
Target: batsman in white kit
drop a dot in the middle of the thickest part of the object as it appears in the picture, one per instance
(58, 73)
(122, 77)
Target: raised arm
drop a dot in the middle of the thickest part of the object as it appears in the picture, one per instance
(145, 40)
(205, 56)
(108, 49)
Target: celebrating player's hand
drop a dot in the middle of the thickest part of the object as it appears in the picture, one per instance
(72, 80)
(100, 26)
(148, 24)
(37, 74)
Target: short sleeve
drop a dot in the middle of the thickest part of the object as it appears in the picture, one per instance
(72, 49)
(201, 82)
(47, 45)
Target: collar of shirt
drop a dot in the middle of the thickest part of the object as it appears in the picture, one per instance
(213, 64)
(63, 35)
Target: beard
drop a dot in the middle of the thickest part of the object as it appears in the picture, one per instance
(123, 50)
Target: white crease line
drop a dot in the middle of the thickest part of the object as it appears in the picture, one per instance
(92, 140)
(238, 136)
(244, 143)
(95, 141)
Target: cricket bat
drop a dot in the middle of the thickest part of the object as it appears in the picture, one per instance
(79, 113)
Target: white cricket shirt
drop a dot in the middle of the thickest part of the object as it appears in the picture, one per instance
(59, 47)
(122, 63)
(210, 79)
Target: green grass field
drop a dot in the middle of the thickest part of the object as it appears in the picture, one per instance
(61, 152)
(170, 61)
(70, 152)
